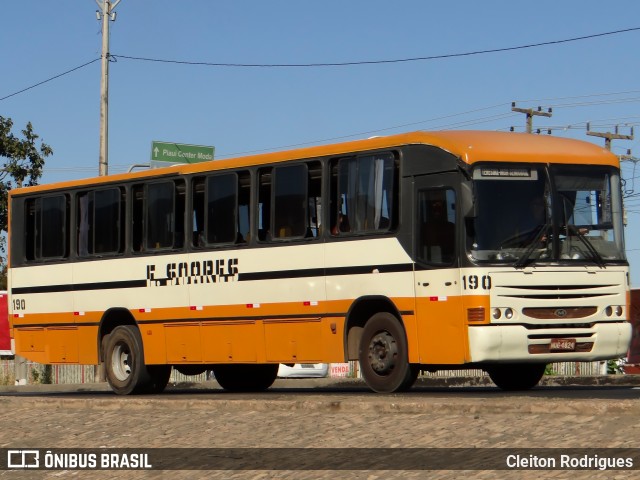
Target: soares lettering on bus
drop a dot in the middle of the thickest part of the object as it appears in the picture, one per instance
(193, 273)
(186, 155)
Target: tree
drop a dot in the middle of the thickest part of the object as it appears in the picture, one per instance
(23, 164)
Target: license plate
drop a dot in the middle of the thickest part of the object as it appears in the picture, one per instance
(563, 345)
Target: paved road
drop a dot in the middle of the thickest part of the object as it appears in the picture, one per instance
(334, 416)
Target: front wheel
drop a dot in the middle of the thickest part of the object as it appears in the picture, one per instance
(383, 355)
(124, 361)
(519, 376)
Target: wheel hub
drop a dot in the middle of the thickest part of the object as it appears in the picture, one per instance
(383, 352)
(121, 362)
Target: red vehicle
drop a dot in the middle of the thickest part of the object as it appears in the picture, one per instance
(633, 357)
(5, 339)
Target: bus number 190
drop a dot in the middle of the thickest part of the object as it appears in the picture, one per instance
(19, 304)
(473, 282)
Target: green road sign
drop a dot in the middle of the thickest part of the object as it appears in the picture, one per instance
(180, 153)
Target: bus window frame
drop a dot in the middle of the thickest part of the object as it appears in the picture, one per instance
(38, 229)
(207, 243)
(334, 202)
(269, 170)
(121, 221)
(305, 216)
(146, 209)
(144, 187)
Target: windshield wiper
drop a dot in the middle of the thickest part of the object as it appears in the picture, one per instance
(522, 261)
(596, 257)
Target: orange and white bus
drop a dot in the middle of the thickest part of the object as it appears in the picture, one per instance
(420, 251)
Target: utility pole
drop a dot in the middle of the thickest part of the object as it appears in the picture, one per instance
(530, 113)
(628, 157)
(625, 192)
(608, 136)
(106, 14)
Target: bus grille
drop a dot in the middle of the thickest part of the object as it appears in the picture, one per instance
(559, 312)
(557, 292)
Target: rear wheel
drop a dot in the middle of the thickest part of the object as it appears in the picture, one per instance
(246, 377)
(519, 376)
(383, 355)
(159, 375)
(124, 361)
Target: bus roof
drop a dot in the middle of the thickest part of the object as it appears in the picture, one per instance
(471, 146)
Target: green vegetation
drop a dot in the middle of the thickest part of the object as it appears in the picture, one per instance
(23, 160)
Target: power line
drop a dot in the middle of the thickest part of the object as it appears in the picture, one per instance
(538, 100)
(372, 132)
(49, 79)
(378, 62)
(113, 57)
(598, 102)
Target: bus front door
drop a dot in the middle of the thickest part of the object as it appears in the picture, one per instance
(440, 326)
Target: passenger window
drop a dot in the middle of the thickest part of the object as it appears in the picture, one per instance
(365, 192)
(290, 201)
(222, 196)
(158, 215)
(221, 209)
(47, 227)
(264, 204)
(100, 217)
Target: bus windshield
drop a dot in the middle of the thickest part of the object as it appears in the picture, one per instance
(557, 213)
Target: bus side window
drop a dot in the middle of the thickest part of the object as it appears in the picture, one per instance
(364, 193)
(48, 227)
(158, 212)
(137, 215)
(221, 208)
(244, 204)
(100, 218)
(264, 204)
(85, 219)
(314, 197)
(197, 212)
(290, 201)
(30, 229)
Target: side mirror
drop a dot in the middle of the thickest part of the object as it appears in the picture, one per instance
(467, 202)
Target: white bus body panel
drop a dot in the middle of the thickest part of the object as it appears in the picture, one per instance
(559, 289)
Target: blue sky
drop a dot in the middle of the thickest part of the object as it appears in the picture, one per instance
(263, 109)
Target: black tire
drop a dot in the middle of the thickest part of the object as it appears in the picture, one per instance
(383, 355)
(159, 375)
(124, 361)
(517, 377)
(246, 377)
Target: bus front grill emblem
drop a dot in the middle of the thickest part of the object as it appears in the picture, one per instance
(561, 313)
